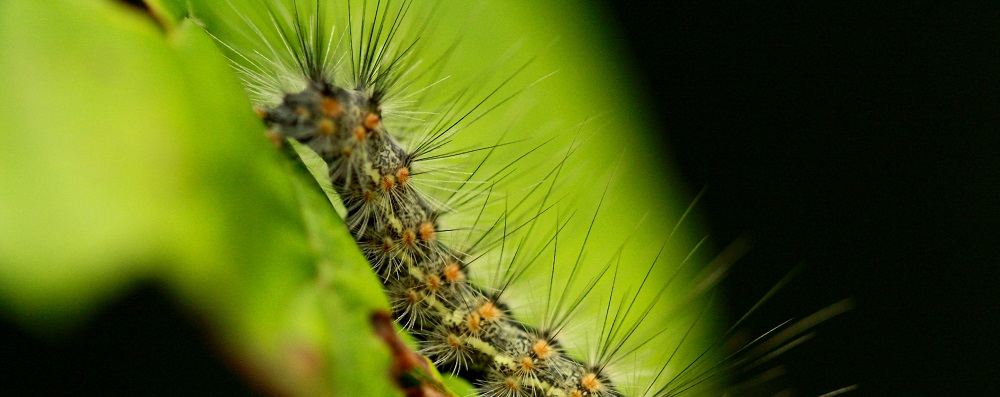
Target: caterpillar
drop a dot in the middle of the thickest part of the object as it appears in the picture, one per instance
(355, 93)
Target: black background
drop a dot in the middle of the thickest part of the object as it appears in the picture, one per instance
(859, 138)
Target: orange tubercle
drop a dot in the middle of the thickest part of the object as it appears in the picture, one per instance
(409, 237)
(473, 322)
(359, 133)
(527, 364)
(275, 139)
(261, 112)
(453, 272)
(412, 297)
(303, 112)
(542, 349)
(372, 121)
(489, 311)
(326, 127)
(433, 283)
(454, 342)
(403, 175)
(427, 231)
(331, 107)
(590, 382)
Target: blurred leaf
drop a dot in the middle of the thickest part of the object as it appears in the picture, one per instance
(132, 155)
(95, 188)
(169, 12)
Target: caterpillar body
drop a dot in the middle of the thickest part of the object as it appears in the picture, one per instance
(355, 93)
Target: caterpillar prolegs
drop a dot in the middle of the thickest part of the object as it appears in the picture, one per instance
(470, 246)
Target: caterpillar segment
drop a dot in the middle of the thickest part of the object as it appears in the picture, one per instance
(460, 326)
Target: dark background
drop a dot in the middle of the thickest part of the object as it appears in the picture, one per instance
(861, 139)
(858, 138)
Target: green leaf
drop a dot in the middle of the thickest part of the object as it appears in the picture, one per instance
(131, 155)
(168, 12)
(95, 188)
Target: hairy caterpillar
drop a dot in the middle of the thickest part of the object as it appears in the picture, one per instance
(344, 104)
(462, 326)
